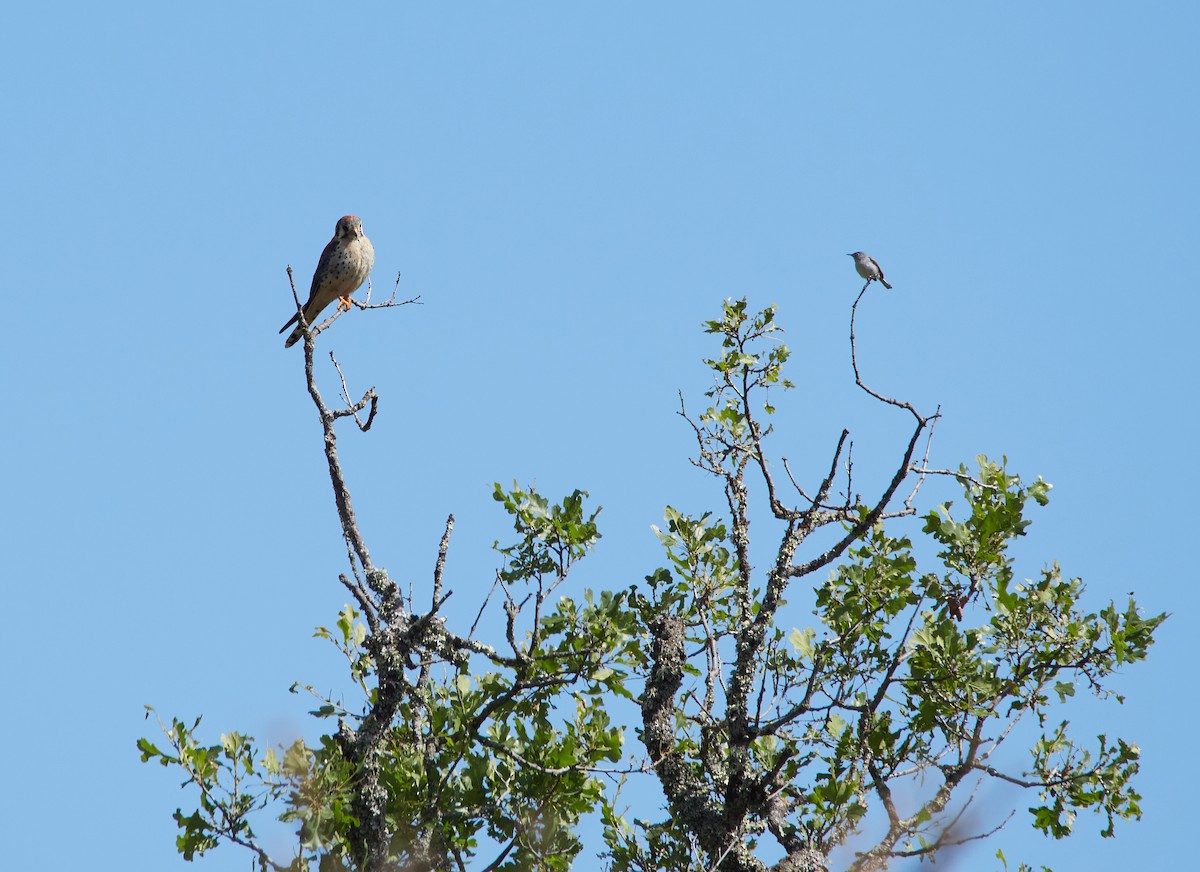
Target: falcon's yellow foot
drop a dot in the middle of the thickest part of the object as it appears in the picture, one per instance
(344, 303)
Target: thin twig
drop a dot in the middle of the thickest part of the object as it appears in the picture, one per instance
(390, 302)
(364, 601)
(354, 409)
(858, 377)
(922, 471)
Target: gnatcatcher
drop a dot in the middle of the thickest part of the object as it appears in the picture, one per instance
(868, 268)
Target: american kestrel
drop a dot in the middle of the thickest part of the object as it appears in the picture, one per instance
(344, 266)
(868, 268)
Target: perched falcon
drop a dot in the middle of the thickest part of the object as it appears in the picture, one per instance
(868, 268)
(344, 266)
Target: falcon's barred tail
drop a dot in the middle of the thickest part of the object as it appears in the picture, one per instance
(296, 334)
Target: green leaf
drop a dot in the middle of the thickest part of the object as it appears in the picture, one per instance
(802, 641)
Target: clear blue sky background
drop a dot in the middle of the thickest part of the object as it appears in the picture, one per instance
(571, 189)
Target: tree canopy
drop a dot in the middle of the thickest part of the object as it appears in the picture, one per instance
(773, 743)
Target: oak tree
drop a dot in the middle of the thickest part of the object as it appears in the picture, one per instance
(773, 743)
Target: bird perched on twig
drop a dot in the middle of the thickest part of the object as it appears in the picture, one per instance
(344, 266)
(868, 268)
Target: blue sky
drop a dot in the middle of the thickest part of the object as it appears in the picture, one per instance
(571, 189)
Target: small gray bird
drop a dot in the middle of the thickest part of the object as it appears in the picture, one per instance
(344, 266)
(868, 268)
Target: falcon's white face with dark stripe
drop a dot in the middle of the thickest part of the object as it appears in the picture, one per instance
(348, 227)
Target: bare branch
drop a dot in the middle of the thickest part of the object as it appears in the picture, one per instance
(390, 302)
(908, 501)
(858, 378)
(353, 410)
(365, 603)
(956, 474)
(441, 563)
